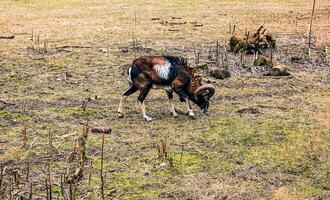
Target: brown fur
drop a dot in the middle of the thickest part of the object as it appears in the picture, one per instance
(195, 83)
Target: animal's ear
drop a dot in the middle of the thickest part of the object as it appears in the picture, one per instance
(184, 62)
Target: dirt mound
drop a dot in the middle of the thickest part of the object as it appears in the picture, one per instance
(278, 70)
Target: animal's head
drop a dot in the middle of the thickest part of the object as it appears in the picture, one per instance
(202, 93)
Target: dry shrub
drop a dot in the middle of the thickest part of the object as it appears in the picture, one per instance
(258, 41)
(262, 61)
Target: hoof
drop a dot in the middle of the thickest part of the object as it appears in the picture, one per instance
(120, 115)
(192, 116)
(148, 119)
(175, 115)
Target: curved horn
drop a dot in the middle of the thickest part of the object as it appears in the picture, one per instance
(210, 88)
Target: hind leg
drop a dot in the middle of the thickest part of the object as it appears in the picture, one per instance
(143, 94)
(123, 98)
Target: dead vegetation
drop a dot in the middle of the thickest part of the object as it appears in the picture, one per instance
(253, 43)
(7, 37)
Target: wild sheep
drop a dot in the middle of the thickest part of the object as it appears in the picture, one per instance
(170, 73)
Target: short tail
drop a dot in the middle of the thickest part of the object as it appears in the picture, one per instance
(129, 75)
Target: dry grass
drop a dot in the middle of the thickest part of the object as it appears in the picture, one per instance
(280, 153)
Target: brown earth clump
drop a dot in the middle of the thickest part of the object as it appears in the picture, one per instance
(220, 73)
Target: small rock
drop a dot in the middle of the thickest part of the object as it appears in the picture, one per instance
(68, 75)
(111, 170)
(278, 70)
(112, 191)
(161, 166)
(296, 58)
(104, 50)
(146, 172)
(91, 98)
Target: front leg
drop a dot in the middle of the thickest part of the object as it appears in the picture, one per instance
(170, 98)
(144, 113)
(184, 95)
(190, 111)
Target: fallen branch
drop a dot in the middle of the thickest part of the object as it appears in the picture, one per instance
(7, 37)
(272, 77)
(101, 129)
(6, 103)
(74, 46)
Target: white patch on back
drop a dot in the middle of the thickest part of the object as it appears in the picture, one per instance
(129, 77)
(163, 71)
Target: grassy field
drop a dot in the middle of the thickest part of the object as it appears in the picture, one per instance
(66, 65)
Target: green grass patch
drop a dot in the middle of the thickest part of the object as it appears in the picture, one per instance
(7, 115)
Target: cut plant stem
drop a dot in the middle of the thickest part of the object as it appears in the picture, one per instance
(24, 134)
(101, 171)
(70, 191)
(31, 190)
(50, 138)
(242, 58)
(62, 185)
(1, 175)
(310, 26)
(181, 153)
(90, 173)
(326, 54)
(27, 172)
(233, 33)
(46, 184)
(50, 183)
(271, 58)
(229, 28)
(217, 54)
